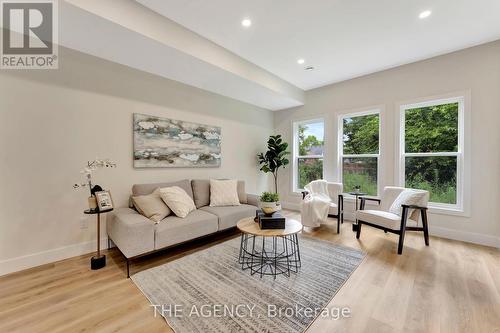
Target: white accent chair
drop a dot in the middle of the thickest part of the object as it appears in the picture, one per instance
(336, 209)
(382, 218)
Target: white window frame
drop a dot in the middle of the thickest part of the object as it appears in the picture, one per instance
(340, 141)
(437, 207)
(295, 151)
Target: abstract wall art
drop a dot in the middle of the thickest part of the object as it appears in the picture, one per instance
(166, 143)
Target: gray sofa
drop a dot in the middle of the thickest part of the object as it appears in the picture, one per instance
(136, 235)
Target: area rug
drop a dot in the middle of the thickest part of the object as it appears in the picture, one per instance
(207, 291)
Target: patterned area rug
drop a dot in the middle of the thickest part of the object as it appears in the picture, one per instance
(208, 291)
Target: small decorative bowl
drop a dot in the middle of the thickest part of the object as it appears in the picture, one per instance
(269, 208)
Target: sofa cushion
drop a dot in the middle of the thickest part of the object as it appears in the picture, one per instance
(242, 194)
(230, 215)
(201, 192)
(407, 197)
(223, 193)
(133, 233)
(151, 206)
(143, 189)
(385, 219)
(177, 200)
(173, 230)
(333, 209)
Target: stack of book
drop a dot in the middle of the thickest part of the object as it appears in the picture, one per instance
(275, 221)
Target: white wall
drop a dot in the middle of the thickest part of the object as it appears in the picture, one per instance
(475, 70)
(53, 121)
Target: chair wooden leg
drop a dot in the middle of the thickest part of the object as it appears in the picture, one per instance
(338, 223)
(358, 231)
(426, 227)
(401, 241)
(128, 268)
(402, 230)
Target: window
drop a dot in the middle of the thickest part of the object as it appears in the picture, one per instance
(308, 152)
(359, 151)
(431, 150)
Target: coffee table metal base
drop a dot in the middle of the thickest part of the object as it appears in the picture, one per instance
(270, 255)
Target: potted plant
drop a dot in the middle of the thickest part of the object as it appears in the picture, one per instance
(269, 203)
(274, 158)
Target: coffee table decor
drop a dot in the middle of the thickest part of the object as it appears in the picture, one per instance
(270, 221)
(213, 276)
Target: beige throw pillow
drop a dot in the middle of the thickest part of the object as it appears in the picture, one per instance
(224, 193)
(151, 206)
(407, 197)
(177, 200)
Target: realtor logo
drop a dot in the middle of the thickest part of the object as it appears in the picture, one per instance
(29, 34)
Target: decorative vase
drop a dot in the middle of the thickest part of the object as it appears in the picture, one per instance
(92, 202)
(269, 208)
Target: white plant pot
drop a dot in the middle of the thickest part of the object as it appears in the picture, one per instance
(270, 207)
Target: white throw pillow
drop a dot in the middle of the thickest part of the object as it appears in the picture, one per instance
(407, 197)
(151, 206)
(224, 193)
(177, 200)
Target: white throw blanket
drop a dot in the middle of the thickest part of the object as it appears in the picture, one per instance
(314, 208)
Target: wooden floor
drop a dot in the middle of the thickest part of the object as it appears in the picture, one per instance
(447, 287)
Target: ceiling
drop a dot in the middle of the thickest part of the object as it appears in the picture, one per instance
(125, 32)
(203, 44)
(342, 39)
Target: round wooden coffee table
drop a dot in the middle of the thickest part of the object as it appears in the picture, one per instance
(269, 251)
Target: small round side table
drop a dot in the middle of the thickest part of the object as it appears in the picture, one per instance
(357, 195)
(98, 261)
(278, 251)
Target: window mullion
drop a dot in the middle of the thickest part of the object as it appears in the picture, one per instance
(432, 154)
(359, 155)
(310, 156)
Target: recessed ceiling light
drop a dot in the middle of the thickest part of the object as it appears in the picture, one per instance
(246, 23)
(309, 68)
(301, 61)
(425, 14)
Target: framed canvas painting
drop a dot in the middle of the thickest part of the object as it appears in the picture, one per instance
(168, 143)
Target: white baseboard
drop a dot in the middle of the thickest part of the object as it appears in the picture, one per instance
(464, 236)
(49, 256)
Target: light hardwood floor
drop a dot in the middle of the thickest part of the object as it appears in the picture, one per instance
(447, 287)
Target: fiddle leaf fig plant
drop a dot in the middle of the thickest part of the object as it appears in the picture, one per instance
(275, 157)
